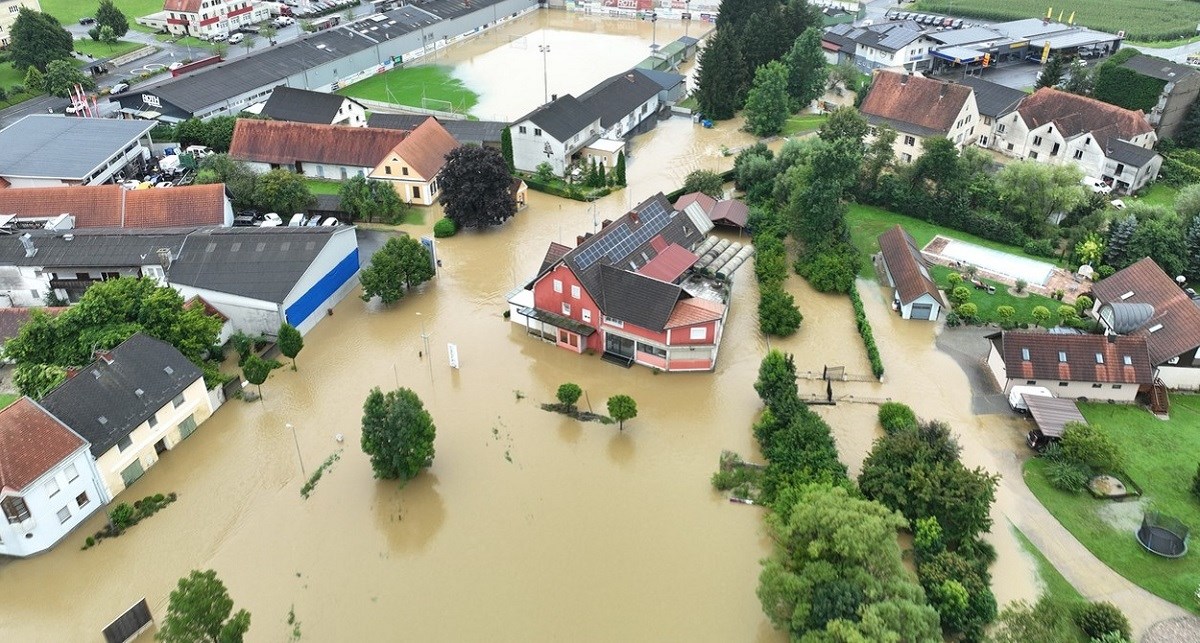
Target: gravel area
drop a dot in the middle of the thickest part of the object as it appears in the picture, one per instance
(1185, 629)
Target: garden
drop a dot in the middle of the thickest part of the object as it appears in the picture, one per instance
(1163, 458)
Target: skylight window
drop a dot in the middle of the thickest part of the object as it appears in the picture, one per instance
(1062, 356)
(1156, 327)
(1025, 354)
(1127, 295)
(1099, 358)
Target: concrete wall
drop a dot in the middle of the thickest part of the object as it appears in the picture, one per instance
(45, 527)
(250, 316)
(1180, 378)
(196, 404)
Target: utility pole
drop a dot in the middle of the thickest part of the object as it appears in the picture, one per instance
(298, 456)
(545, 49)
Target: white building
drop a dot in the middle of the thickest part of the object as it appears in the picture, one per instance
(133, 404)
(8, 15)
(43, 150)
(211, 17)
(916, 296)
(1092, 367)
(554, 133)
(256, 277)
(303, 106)
(900, 44)
(48, 481)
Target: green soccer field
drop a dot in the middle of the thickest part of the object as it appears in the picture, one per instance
(1141, 20)
(408, 85)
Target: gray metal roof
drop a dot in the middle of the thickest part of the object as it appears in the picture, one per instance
(114, 395)
(665, 79)
(463, 131)
(260, 263)
(1127, 318)
(1052, 414)
(303, 106)
(1128, 153)
(618, 96)
(968, 36)
(993, 99)
(64, 147)
(1159, 68)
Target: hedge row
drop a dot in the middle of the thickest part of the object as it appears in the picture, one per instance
(567, 192)
(864, 329)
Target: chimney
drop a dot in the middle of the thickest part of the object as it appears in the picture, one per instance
(904, 78)
(633, 216)
(942, 93)
(605, 223)
(1112, 338)
(72, 371)
(104, 355)
(579, 240)
(553, 97)
(27, 241)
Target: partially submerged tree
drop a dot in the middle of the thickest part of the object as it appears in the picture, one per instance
(807, 71)
(400, 264)
(290, 342)
(476, 187)
(199, 611)
(705, 181)
(621, 408)
(767, 105)
(397, 434)
(257, 370)
(282, 191)
(568, 394)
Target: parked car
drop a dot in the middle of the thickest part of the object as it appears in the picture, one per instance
(331, 222)
(236, 38)
(1096, 185)
(75, 108)
(219, 37)
(175, 65)
(270, 220)
(249, 29)
(1016, 400)
(118, 88)
(87, 21)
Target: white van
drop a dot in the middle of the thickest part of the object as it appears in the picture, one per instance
(1096, 185)
(1017, 402)
(236, 38)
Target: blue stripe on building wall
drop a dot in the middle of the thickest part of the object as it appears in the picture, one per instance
(316, 296)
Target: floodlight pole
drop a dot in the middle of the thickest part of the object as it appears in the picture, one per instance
(545, 49)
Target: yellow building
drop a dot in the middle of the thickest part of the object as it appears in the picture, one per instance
(8, 15)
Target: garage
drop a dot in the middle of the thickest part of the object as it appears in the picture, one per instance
(921, 311)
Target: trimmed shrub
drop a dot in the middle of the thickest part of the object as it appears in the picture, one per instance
(864, 331)
(1098, 619)
(960, 295)
(1090, 447)
(1040, 248)
(777, 312)
(896, 417)
(955, 279)
(969, 311)
(445, 227)
(1066, 475)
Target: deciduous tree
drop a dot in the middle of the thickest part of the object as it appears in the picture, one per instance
(37, 39)
(107, 36)
(777, 311)
(476, 187)
(238, 178)
(1192, 271)
(705, 181)
(365, 199)
(568, 394)
(621, 408)
(199, 611)
(36, 380)
(397, 434)
(282, 191)
(291, 342)
(108, 15)
(1031, 192)
(62, 75)
(400, 264)
(807, 72)
(767, 104)
(257, 370)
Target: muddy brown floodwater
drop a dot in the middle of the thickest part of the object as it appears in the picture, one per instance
(529, 526)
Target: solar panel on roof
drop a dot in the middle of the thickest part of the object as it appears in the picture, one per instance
(620, 242)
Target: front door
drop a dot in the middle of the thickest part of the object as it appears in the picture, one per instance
(618, 345)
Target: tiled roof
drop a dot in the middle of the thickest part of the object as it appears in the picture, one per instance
(1075, 358)
(303, 106)
(730, 212)
(618, 96)
(1074, 115)
(426, 147)
(705, 202)
(907, 266)
(914, 104)
(562, 118)
(112, 396)
(111, 206)
(669, 264)
(182, 6)
(695, 311)
(993, 99)
(1176, 316)
(1128, 153)
(12, 319)
(284, 143)
(637, 299)
(555, 252)
(31, 443)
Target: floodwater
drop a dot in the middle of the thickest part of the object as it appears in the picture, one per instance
(529, 526)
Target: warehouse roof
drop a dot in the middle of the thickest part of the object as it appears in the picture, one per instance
(62, 147)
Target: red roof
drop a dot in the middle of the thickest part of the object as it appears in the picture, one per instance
(1075, 114)
(1076, 358)
(111, 206)
(31, 443)
(285, 142)
(928, 106)
(730, 212)
(906, 266)
(182, 6)
(694, 311)
(209, 309)
(1176, 318)
(426, 147)
(669, 264)
(12, 319)
(706, 202)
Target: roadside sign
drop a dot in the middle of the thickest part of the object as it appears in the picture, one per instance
(453, 349)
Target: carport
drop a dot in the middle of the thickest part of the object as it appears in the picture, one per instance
(1051, 415)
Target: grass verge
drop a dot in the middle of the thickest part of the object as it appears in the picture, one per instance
(408, 85)
(804, 124)
(1157, 194)
(100, 50)
(1162, 458)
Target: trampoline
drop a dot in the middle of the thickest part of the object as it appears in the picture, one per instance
(1163, 535)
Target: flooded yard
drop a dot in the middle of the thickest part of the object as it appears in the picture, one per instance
(529, 526)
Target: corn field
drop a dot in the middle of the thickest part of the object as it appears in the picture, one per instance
(1141, 20)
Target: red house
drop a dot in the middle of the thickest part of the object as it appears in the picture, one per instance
(630, 292)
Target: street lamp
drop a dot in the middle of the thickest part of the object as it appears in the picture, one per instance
(687, 20)
(545, 49)
(654, 28)
(425, 338)
(298, 456)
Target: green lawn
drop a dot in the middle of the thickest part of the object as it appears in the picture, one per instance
(1162, 458)
(70, 11)
(1056, 588)
(407, 85)
(7, 398)
(868, 222)
(9, 76)
(803, 124)
(100, 50)
(317, 186)
(1157, 194)
(1149, 20)
(988, 304)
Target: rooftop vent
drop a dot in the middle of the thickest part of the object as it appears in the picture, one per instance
(168, 370)
(27, 241)
(139, 392)
(68, 237)
(95, 373)
(102, 420)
